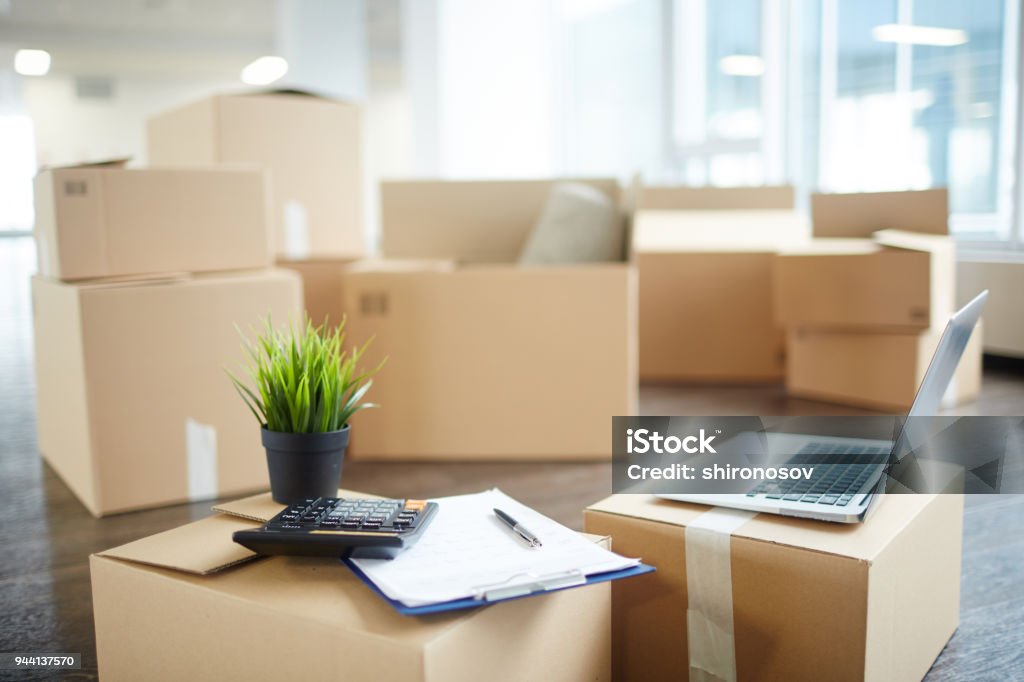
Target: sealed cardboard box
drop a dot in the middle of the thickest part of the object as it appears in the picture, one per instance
(488, 360)
(321, 286)
(877, 370)
(705, 302)
(896, 280)
(763, 597)
(312, 147)
(105, 220)
(134, 407)
(189, 604)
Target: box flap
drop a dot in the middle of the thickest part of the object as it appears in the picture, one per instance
(114, 162)
(663, 231)
(202, 547)
(832, 247)
(862, 214)
(262, 507)
(913, 241)
(403, 265)
(863, 541)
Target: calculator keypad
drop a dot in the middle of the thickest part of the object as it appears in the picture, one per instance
(328, 513)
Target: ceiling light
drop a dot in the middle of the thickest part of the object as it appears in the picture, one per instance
(264, 71)
(919, 35)
(32, 62)
(741, 65)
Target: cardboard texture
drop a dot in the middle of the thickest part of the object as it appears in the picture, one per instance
(705, 293)
(134, 407)
(677, 198)
(108, 221)
(863, 214)
(312, 147)
(880, 371)
(897, 281)
(321, 286)
(191, 604)
(477, 221)
(487, 361)
(810, 600)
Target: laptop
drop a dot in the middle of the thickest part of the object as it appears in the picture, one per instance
(844, 491)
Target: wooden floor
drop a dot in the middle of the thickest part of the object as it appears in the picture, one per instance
(46, 536)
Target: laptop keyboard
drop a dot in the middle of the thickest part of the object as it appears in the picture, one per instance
(833, 484)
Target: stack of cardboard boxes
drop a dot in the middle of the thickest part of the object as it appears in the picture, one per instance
(312, 149)
(704, 259)
(144, 275)
(864, 305)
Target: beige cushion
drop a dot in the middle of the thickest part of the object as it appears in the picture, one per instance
(579, 224)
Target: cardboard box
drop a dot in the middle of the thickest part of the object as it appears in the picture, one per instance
(105, 220)
(134, 407)
(864, 213)
(321, 286)
(783, 598)
(488, 361)
(705, 303)
(880, 371)
(188, 604)
(896, 280)
(679, 198)
(311, 145)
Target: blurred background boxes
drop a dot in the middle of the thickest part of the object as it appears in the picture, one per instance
(311, 145)
(104, 220)
(488, 359)
(134, 406)
(322, 294)
(864, 304)
(704, 261)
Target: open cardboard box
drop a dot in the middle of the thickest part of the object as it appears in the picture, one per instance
(134, 406)
(704, 259)
(487, 359)
(190, 604)
(311, 145)
(801, 599)
(105, 220)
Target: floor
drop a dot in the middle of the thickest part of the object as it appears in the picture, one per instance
(47, 536)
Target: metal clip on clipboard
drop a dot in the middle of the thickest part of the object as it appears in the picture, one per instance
(529, 583)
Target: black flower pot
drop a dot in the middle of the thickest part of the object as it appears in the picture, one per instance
(304, 465)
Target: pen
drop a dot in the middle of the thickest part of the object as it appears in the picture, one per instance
(518, 529)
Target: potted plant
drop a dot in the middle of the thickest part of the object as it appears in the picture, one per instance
(305, 389)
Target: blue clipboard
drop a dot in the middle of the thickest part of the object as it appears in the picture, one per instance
(517, 592)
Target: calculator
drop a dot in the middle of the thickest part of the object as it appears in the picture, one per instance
(341, 527)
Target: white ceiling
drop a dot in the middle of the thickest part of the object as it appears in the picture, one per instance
(186, 38)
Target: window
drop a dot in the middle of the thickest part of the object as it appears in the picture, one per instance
(850, 96)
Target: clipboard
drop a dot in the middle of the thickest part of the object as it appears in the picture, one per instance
(519, 587)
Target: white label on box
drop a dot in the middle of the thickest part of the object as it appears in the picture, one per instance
(201, 446)
(296, 230)
(709, 624)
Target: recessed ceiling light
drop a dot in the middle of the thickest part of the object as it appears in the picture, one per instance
(32, 62)
(741, 65)
(919, 35)
(264, 70)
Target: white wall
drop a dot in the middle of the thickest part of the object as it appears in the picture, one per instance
(71, 130)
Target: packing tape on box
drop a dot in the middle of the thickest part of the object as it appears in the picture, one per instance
(709, 622)
(296, 230)
(201, 449)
